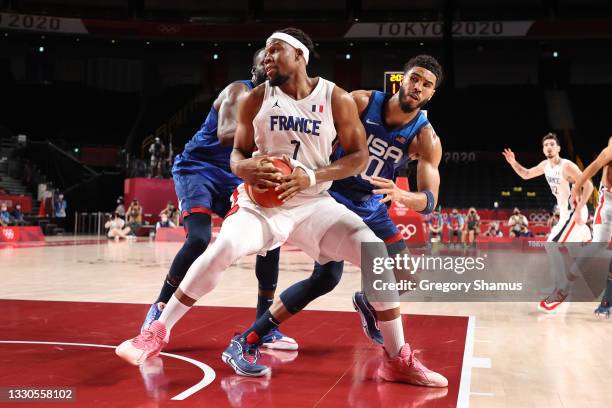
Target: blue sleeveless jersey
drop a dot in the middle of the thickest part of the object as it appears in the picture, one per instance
(388, 148)
(204, 146)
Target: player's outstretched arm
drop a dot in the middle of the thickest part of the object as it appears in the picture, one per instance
(351, 136)
(579, 195)
(428, 176)
(520, 170)
(259, 171)
(228, 112)
(603, 159)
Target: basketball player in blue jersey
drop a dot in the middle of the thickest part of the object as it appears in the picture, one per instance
(397, 132)
(204, 184)
(291, 114)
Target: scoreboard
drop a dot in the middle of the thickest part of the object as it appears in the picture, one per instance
(392, 81)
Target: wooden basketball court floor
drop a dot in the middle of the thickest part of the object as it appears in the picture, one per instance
(66, 303)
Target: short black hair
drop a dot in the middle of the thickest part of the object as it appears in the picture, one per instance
(551, 136)
(300, 35)
(429, 63)
(257, 53)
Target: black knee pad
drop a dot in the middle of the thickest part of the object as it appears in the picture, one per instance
(198, 238)
(198, 230)
(324, 278)
(266, 269)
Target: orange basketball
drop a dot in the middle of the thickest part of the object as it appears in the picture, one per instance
(269, 198)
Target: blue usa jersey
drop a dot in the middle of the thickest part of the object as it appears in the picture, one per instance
(202, 176)
(388, 148)
(205, 146)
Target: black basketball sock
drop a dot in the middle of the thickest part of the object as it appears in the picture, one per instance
(263, 304)
(261, 327)
(198, 237)
(266, 270)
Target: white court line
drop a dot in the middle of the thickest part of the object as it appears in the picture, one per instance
(481, 362)
(463, 398)
(209, 373)
(469, 362)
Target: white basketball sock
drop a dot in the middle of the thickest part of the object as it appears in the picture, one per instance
(393, 335)
(172, 313)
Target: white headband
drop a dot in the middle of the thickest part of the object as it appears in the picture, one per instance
(292, 41)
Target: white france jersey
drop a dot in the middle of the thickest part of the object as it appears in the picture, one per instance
(302, 129)
(560, 187)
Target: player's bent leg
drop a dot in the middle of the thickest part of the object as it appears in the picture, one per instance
(233, 242)
(558, 272)
(198, 237)
(266, 270)
(241, 234)
(399, 362)
(603, 233)
(323, 279)
(369, 322)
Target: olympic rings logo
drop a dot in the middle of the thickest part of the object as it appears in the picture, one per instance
(539, 217)
(407, 231)
(8, 233)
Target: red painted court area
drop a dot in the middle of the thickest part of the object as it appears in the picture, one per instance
(334, 367)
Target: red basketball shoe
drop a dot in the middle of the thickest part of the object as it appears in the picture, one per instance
(146, 345)
(406, 368)
(553, 301)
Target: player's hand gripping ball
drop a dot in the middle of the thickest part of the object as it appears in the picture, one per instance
(269, 197)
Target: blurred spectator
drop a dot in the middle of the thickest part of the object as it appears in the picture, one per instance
(455, 223)
(471, 227)
(134, 216)
(27, 172)
(5, 216)
(157, 151)
(554, 218)
(524, 232)
(171, 212)
(18, 215)
(494, 231)
(516, 221)
(435, 226)
(60, 210)
(116, 228)
(164, 222)
(120, 209)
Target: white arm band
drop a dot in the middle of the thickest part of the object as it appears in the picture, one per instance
(310, 172)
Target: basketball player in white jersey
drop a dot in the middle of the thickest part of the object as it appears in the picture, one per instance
(559, 173)
(602, 222)
(291, 115)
